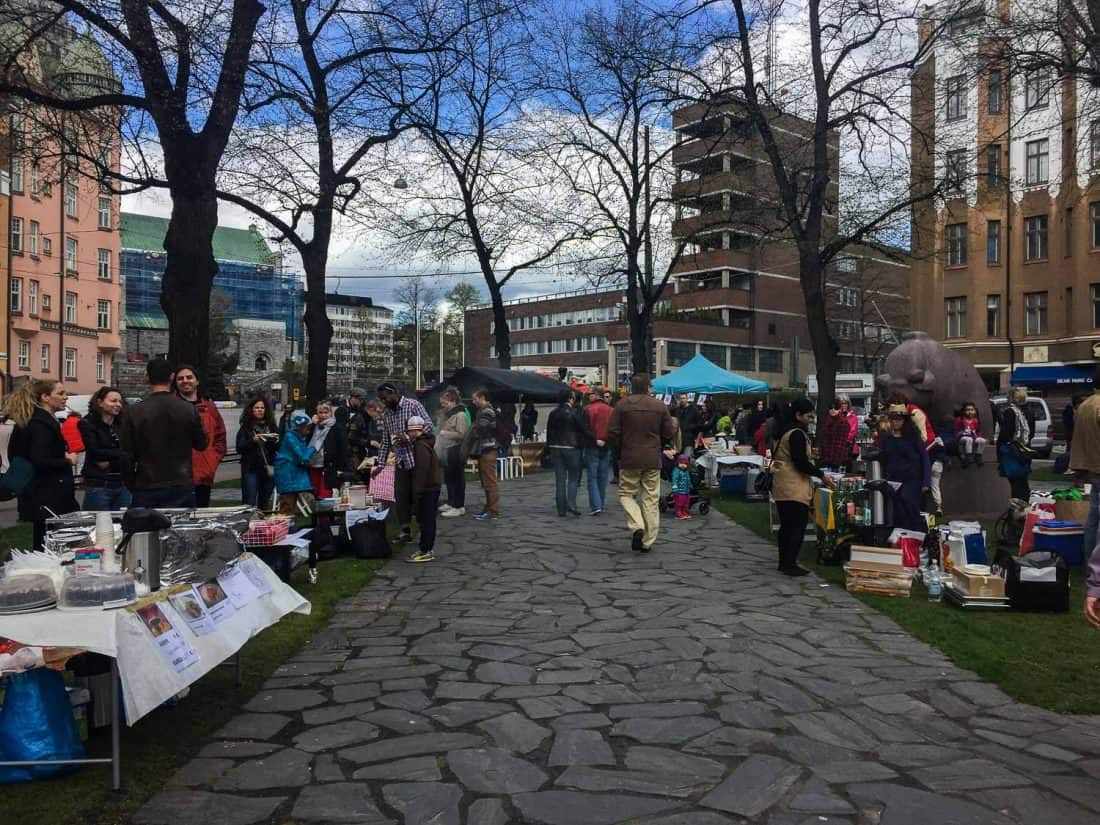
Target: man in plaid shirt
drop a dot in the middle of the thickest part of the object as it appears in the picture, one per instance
(395, 417)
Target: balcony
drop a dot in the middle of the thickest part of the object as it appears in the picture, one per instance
(690, 153)
(677, 328)
(714, 259)
(749, 178)
(713, 298)
(25, 325)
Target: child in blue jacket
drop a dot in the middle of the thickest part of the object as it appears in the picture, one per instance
(681, 487)
(292, 463)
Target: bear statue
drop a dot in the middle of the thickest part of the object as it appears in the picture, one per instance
(936, 379)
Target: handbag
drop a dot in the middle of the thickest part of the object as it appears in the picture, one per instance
(382, 485)
(17, 480)
(764, 481)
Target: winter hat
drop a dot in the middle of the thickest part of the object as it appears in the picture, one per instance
(416, 423)
(682, 460)
(298, 418)
(357, 392)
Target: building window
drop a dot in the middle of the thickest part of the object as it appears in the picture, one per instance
(100, 368)
(17, 176)
(47, 246)
(847, 296)
(714, 353)
(993, 242)
(1037, 89)
(993, 316)
(15, 294)
(25, 355)
(1038, 161)
(742, 359)
(103, 259)
(32, 238)
(32, 298)
(263, 363)
(846, 264)
(993, 87)
(956, 97)
(70, 254)
(70, 307)
(1068, 251)
(956, 317)
(16, 234)
(70, 200)
(70, 363)
(956, 244)
(679, 353)
(1096, 306)
(44, 362)
(1094, 216)
(104, 212)
(36, 177)
(993, 166)
(1035, 313)
(771, 360)
(1035, 230)
(103, 314)
(955, 170)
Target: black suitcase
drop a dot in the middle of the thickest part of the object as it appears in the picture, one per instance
(1038, 581)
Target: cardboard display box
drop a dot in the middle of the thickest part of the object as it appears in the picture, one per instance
(977, 585)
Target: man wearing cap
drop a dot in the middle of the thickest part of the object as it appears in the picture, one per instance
(395, 422)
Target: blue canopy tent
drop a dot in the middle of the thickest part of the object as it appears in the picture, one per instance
(703, 375)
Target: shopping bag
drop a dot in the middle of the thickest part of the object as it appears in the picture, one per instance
(368, 540)
(910, 551)
(381, 485)
(1033, 517)
(36, 724)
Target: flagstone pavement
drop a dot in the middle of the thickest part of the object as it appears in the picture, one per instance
(540, 672)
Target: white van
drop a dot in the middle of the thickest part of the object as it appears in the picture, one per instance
(1036, 409)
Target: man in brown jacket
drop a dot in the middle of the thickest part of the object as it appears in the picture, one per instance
(637, 429)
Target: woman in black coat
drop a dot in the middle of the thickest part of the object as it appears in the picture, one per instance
(106, 464)
(37, 438)
(257, 444)
(333, 456)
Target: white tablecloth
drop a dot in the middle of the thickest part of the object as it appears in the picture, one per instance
(711, 461)
(147, 679)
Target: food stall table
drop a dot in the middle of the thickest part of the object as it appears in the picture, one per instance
(139, 665)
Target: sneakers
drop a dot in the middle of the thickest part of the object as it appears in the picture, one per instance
(596, 512)
(682, 516)
(404, 536)
(444, 507)
(794, 572)
(421, 556)
(452, 512)
(636, 541)
(313, 575)
(484, 517)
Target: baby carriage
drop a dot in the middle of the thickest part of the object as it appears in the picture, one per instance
(698, 476)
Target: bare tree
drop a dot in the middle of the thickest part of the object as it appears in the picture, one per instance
(182, 69)
(331, 82)
(846, 81)
(416, 317)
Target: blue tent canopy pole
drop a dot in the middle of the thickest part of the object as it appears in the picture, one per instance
(702, 375)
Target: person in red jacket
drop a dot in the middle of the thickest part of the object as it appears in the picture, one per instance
(73, 440)
(204, 463)
(597, 454)
(968, 434)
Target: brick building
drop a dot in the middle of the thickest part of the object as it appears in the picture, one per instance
(734, 295)
(1006, 265)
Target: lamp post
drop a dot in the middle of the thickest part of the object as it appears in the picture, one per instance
(442, 328)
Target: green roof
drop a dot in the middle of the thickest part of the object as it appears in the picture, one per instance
(143, 320)
(146, 233)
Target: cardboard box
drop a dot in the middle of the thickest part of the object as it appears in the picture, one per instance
(1072, 511)
(978, 585)
(876, 555)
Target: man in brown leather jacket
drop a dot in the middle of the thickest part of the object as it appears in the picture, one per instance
(638, 427)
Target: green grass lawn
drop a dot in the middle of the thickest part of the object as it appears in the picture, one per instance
(169, 736)
(1045, 659)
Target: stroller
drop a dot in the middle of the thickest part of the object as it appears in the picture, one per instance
(698, 475)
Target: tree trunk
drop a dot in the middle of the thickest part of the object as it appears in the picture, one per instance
(318, 326)
(825, 348)
(501, 337)
(189, 276)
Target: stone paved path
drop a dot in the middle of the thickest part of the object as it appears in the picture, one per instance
(540, 672)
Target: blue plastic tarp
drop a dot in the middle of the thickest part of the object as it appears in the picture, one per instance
(702, 375)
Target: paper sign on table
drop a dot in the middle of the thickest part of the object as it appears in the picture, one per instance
(256, 576)
(217, 602)
(238, 586)
(193, 612)
(169, 641)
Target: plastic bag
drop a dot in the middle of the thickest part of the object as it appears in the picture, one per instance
(36, 723)
(910, 551)
(381, 485)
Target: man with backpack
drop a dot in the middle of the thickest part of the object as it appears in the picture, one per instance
(481, 443)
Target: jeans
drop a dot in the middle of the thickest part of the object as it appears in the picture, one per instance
(257, 489)
(645, 516)
(115, 497)
(179, 495)
(1093, 521)
(427, 510)
(793, 517)
(454, 474)
(567, 477)
(403, 492)
(598, 460)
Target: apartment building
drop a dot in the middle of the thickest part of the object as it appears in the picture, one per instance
(361, 350)
(64, 294)
(734, 294)
(1006, 264)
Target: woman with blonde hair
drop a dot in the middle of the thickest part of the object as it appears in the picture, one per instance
(37, 438)
(1014, 444)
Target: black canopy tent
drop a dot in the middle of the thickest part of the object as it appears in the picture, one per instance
(502, 385)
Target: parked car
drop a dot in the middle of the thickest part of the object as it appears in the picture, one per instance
(1037, 410)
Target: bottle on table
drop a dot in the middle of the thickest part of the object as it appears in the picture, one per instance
(934, 583)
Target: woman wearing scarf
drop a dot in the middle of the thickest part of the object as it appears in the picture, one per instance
(905, 461)
(330, 442)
